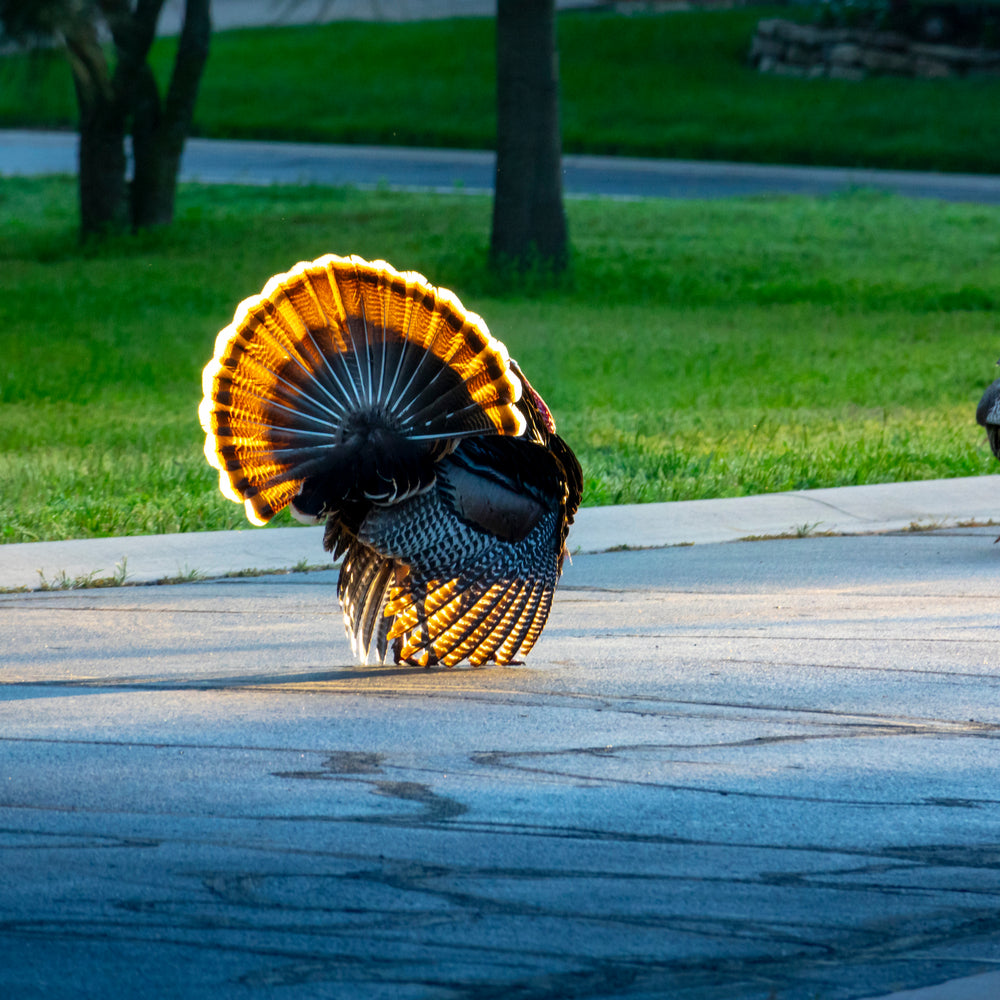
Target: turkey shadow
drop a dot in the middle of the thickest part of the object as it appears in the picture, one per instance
(324, 676)
(30, 689)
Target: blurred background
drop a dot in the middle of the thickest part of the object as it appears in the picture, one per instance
(689, 346)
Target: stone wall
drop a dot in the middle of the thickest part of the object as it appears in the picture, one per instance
(805, 50)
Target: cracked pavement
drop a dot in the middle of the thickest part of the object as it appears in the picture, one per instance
(741, 771)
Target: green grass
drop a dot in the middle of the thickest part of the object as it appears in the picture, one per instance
(672, 85)
(697, 349)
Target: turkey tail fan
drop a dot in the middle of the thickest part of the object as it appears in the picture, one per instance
(353, 377)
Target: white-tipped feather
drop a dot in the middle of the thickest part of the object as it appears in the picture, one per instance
(252, 516)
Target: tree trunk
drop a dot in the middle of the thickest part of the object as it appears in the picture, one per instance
(101, 176)
(101, 180)
(529, 223)
(112, 105)
(159, 132)
(127, 101)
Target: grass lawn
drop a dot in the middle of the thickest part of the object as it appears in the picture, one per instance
(697, 349)
(672, 85)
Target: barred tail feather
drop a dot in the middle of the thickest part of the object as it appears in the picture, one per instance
(448, 621)
(363, 590)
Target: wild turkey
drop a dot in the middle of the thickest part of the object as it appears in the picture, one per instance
(988, 415)
(371, 400)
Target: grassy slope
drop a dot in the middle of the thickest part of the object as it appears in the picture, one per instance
(666, 85)
(699, 349)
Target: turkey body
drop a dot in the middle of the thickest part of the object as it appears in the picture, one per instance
(372, 401)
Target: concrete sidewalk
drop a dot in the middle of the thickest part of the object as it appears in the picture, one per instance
(845, 511)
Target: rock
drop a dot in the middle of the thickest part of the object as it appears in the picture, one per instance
(890, 40)
(762, 46)
(787, 69)
(952, 54)
(881, 61)
(800, 34)
(789, 49)
(768, 26)
(931, 69)
(844, 54)
(800, 55)
(846, 73)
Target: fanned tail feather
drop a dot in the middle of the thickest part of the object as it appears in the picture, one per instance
(352, 373)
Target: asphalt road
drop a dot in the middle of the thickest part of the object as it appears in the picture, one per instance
(217, 161)
(727, 772)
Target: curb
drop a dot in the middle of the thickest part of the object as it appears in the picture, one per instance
(851, 510)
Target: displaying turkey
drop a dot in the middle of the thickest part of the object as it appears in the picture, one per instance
(371, 400)
(988, 415)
